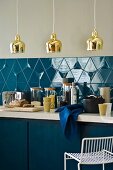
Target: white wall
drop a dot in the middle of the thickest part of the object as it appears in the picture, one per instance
(74, 24)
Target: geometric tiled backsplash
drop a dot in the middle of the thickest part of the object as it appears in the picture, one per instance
(21, 74)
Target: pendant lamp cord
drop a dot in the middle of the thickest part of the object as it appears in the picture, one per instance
(17, 2)
(53, 16)
(94, 14)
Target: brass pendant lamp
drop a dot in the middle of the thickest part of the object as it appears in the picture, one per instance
(94, 43)
(53, 45)
(17, 46)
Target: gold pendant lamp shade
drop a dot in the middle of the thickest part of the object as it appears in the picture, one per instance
(94, 43)
(17, 46)
(53, 45)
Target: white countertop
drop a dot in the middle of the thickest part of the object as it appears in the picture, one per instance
(84, 117)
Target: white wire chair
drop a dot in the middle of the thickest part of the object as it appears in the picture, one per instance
(93, 151)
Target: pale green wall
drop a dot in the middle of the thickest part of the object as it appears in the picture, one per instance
(74, 23)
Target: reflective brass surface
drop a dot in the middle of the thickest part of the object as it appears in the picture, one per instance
(53, 45)
(94, 43)
(17, 46)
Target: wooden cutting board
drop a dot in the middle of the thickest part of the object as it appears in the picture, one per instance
(23, 109)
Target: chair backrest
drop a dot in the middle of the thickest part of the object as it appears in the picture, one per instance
(90, 145)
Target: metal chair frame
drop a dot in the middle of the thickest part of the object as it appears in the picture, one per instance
(98, 150)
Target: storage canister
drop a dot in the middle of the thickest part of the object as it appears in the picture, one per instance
(67, 92)
(50, 92)
(37, 94)
(47, 104)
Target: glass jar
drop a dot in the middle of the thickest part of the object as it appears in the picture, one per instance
(50, 92)
(47, 104)
(67, 92)
(37, 94)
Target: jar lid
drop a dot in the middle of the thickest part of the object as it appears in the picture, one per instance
(67, 84)
(68, 80)
(49, 88)
(36, 88)
(46, 99)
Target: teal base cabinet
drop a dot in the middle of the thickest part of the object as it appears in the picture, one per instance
(13, 144)
(40, 144)
(47, 146)
(96, 130)
(34, 145)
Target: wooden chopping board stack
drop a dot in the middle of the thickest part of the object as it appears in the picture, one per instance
(22, 105)
(22, 109)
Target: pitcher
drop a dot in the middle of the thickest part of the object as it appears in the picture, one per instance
(105, 93)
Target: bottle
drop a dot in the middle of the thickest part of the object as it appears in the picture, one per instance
(74, 93)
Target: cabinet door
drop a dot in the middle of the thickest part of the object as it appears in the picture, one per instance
(96, 130)
(13, 144)
(47, 145)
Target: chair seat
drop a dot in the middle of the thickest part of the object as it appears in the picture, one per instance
(92, 158)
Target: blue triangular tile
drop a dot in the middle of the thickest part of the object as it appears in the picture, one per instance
(91, 74)
(110, 77)
(5, 88)
(32, 62)
(90, 66)
(84, 77)
(70, 75)
(63, 75)
(97, 61)
(104, 65)
(57, 80)
(45, 80)
(63, 68)
(101, 76)
(27, 73)
(22, 62)
(2, 63)
(56, 62)
(71, 62)
(77, 65)
(83, 61)
(39, 67)
(77, 73)
(16, 67)
(46, 62)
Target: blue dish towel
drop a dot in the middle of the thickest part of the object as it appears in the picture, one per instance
(68, 116)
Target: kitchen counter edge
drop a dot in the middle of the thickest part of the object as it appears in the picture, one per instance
(84, 117)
